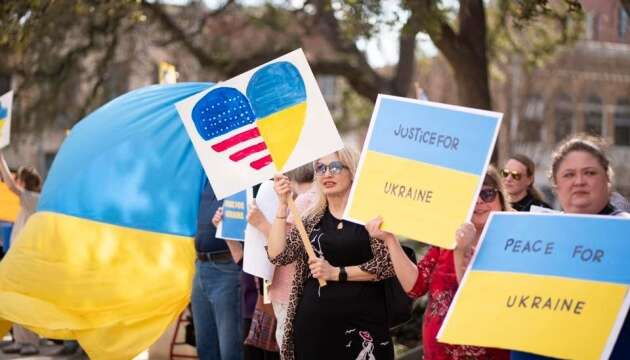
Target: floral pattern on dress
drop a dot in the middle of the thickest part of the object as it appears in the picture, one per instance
(436, 276)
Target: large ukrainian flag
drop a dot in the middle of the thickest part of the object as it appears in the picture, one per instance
(108, 258)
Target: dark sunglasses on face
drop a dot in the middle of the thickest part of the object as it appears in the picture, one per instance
(334, 168)
(515, 174)
(488, 195)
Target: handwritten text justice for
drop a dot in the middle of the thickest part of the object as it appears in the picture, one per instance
(417, 134)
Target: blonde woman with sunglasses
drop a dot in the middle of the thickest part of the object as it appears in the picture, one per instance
(346, 319)
(438, 273)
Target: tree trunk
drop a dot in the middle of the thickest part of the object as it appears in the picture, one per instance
(473, 89)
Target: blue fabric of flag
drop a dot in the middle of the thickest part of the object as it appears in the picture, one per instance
(130, 163)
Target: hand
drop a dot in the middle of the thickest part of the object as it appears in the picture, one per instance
(236, 250)
(321, 269)
(282, 186)
(373, 228)
(255, 217)
(465, 238)
(218, 216)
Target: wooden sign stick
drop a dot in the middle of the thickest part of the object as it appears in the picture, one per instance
(300, 226)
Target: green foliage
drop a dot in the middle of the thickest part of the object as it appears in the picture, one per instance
(46, 46)
(532, 29)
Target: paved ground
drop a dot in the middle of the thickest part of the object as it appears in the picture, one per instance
(47, 349)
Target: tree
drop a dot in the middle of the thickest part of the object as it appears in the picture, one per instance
(45, 45)
(48, 42)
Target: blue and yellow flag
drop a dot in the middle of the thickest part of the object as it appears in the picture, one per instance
(108, 257)
(555, 285)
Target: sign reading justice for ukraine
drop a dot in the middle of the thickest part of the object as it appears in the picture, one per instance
(554, 285)
(422, 167)
(234, 222)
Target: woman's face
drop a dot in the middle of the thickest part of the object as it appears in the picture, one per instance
(582, 184)
(515, 178)
(487, 201)
(333, 176)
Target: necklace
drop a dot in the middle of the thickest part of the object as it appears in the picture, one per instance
(340, 225)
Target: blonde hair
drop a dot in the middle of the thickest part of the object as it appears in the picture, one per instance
(348, 157)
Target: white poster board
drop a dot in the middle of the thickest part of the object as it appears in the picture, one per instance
(268, 120)
(255, 260)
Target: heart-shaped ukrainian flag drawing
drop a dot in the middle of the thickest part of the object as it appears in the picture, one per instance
(263, 127)
(278, 98)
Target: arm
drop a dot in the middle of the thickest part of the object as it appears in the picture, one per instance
(321, 269)
(464, 250)
(258, 220)
(8, 179)
(235, 247)
(413, 278)
(236, 250)
(284, 244)
(278, 232)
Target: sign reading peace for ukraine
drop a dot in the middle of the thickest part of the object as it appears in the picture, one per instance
(422, 167)
(554, 285)
(234, 222)
(268, 120)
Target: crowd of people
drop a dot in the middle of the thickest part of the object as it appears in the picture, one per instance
(347, 318)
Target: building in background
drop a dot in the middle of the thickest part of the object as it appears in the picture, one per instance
(584, 89)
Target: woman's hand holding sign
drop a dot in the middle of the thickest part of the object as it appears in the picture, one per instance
(373, 228)
(321, 269)
(218, 216)
(406, 270)
(466, 240)
(282, 186)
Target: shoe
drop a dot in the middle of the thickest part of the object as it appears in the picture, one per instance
(68, 348)
(12, 349)
(29, 349)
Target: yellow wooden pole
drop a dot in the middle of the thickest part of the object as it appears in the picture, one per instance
(300, 226)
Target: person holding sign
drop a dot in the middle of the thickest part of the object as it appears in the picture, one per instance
(440, 270)
(27, 186)
(518, 180)
(582, 178)
(346, 319)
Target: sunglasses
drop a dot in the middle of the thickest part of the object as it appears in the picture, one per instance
(515, 174)
(488, 195)
(334, 168)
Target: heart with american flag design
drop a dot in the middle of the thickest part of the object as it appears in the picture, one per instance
(261, 128)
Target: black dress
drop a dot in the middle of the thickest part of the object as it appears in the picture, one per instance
(526, 203)
(342, 320)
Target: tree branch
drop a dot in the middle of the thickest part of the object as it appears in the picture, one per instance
(179, 35)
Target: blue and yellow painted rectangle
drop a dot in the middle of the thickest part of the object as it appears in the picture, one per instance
(554, 285)
(421, 167)
(235, 208)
